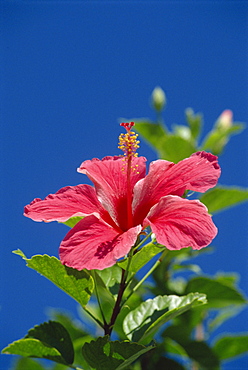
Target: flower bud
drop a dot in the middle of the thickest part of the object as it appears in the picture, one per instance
(225, 120)
(158, 99)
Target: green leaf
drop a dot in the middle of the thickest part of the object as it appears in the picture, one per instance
(182, 131)
(76, 332)
(230, 279)
(103, 354)
(191, 267)
(194, 121)
(141, 323)
(107, 286)
(48, 340)
(29, 347)
(171, 346)
(231, 346)
(55, 335)
(176, 148)
(77, 284)
(140, 259)
(27, 364)
(168, 146)
(165, 363)
(218, 294)
(182, 255)
(181, 328)
(105, 296)
(203, 354)
(222, 197)
(217, 139)
(153, 133)
(164, 284)
(110, 276)
(176, 285)
(183, 346)
(71, 323)
(134, 300)
(72, 221)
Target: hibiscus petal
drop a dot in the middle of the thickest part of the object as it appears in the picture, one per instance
(110, 179)
(180, 223)
(93, 244)
(199, 172)
(69, 201)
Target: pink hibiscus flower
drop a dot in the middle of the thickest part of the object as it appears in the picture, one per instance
(125, 201)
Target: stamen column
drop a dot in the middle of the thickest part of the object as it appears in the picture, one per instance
(128, 143)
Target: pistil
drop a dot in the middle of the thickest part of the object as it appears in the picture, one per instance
(128, 143)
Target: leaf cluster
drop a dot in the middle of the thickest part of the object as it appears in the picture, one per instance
(174, 317)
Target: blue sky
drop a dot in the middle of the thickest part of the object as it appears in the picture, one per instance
(69, 70)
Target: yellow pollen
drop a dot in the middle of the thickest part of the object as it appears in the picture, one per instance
(128, 143)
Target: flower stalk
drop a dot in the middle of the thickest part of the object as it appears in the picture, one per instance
(156, 264)
(108, 328)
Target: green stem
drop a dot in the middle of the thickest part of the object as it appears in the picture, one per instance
(130, 256)
(160, 121)
(142, 241)
(142, 280)
(118, 304)
(109, 327)
(93, 317)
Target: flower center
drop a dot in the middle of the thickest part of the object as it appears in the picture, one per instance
(128, 143)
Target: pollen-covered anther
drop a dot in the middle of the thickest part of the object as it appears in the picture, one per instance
(128, 142)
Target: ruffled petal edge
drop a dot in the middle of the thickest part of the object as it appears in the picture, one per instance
(180, 223)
